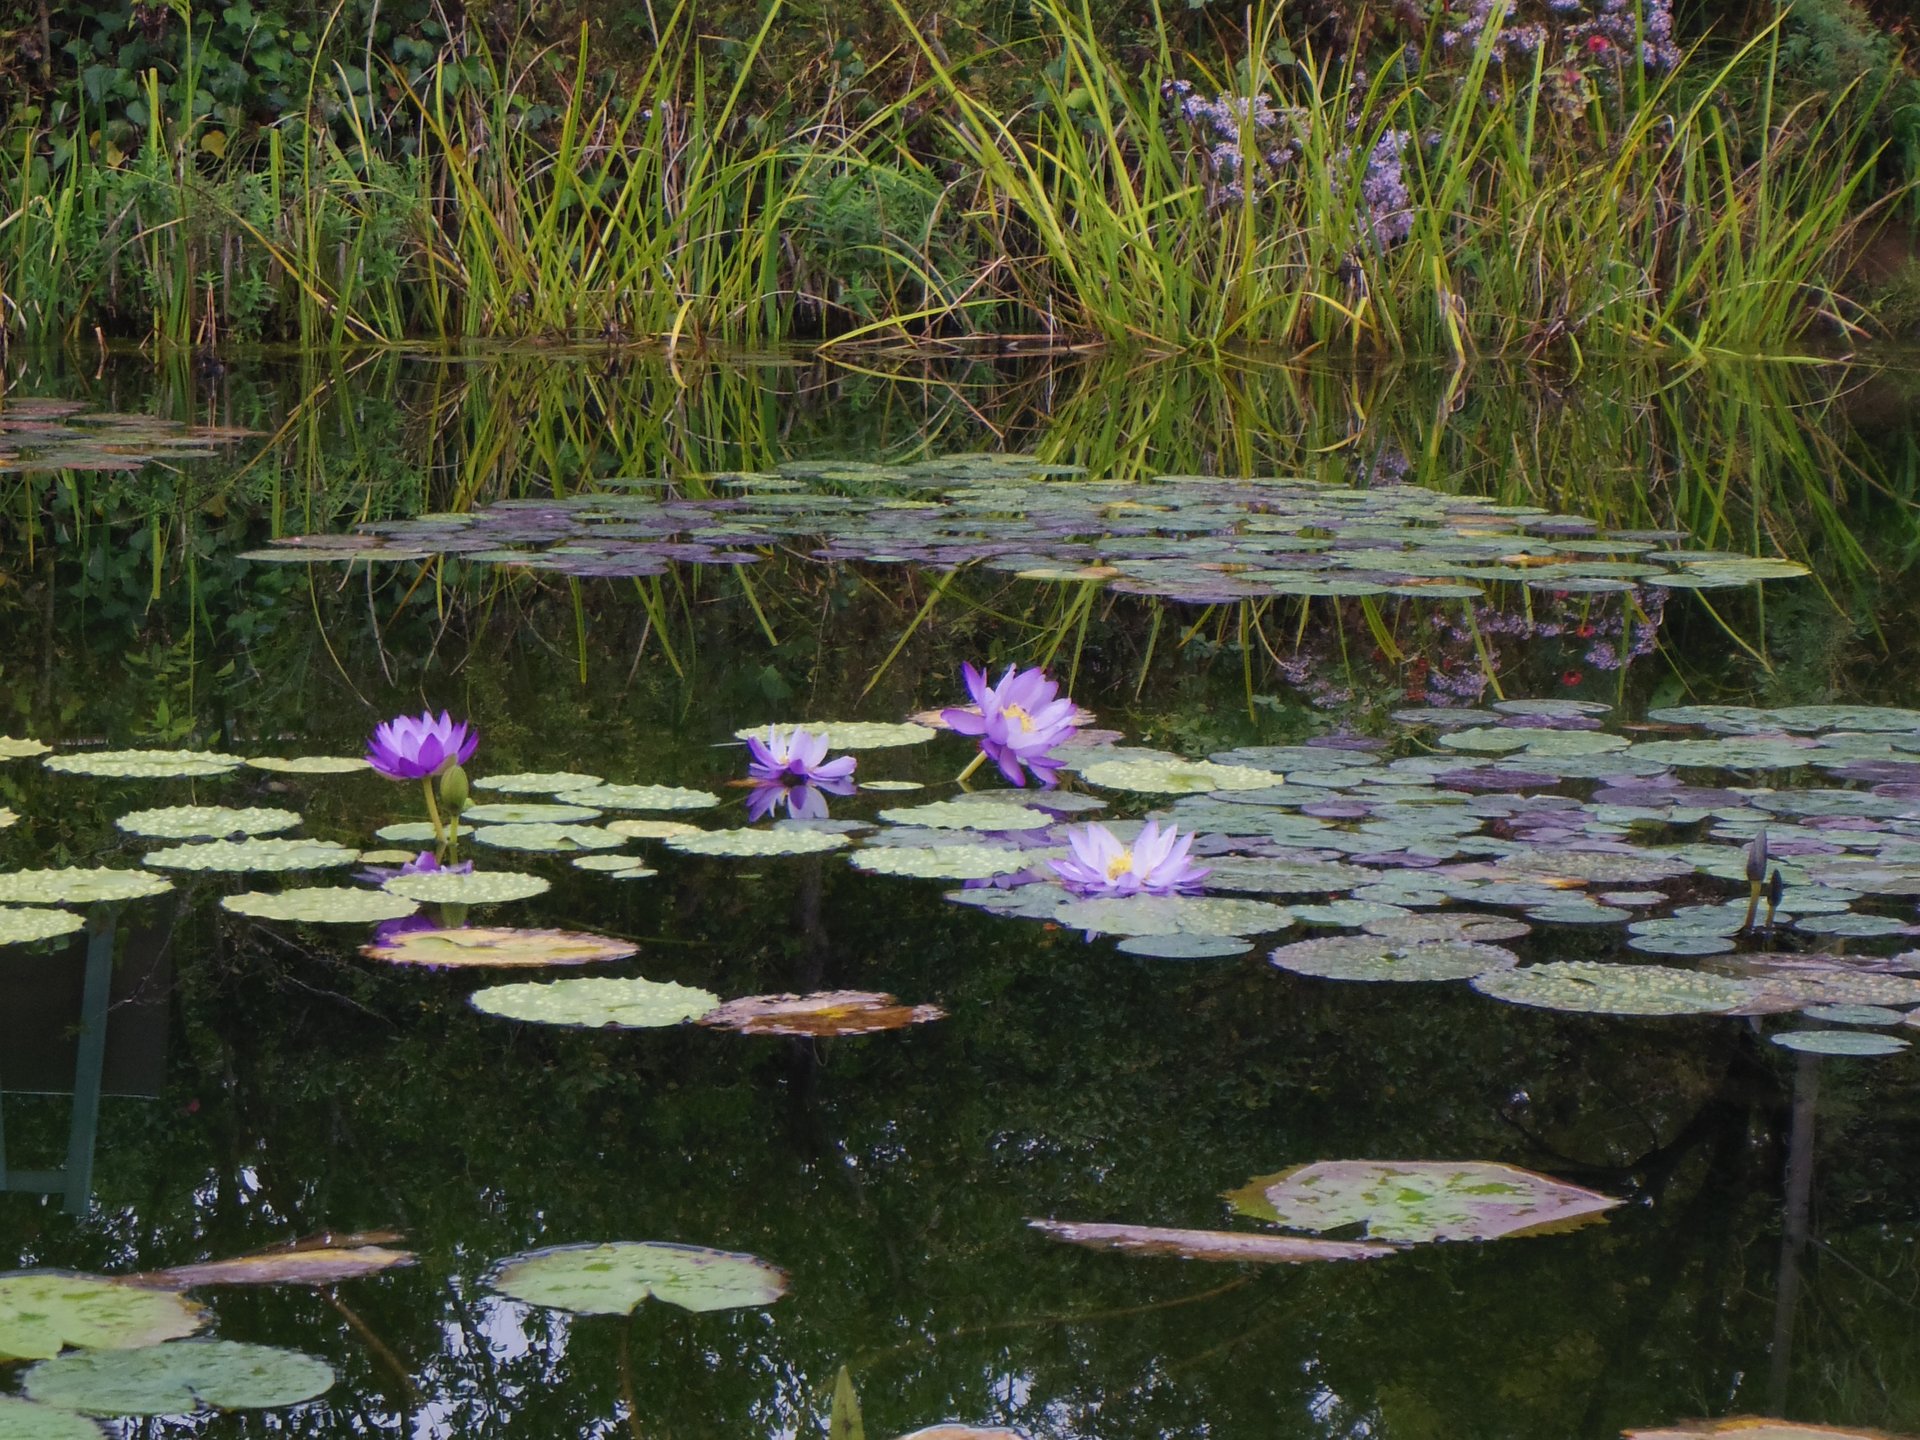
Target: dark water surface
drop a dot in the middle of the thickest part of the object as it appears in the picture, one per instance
(263, 1082)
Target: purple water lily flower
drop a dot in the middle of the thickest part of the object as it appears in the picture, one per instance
(798, 757)
(406, 748)
(1155, 864)
(802, 802)
(425, 863)
(388, 931)
(1019, 721)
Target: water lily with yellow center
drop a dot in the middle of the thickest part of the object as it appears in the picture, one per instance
(1155, 863)
(1019, 721)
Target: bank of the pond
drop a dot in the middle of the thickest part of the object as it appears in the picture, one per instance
(1549, 185)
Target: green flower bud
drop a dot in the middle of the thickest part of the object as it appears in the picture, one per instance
(453, 789)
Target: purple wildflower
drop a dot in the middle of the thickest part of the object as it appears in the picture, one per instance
(1155, 864)
(408, 749)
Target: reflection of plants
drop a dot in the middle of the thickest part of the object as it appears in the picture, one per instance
(1745, 459)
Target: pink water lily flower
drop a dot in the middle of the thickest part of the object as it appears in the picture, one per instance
(406, 748)
(797, 757)
(1019, 721)
(1155, 864)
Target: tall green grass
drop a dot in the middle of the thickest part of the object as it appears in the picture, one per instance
(1655, 218)
(518, 191)
(632, 212)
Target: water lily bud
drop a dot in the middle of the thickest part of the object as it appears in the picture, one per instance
(453, 789)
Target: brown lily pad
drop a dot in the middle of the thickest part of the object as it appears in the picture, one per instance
(499, 948)
(1757, 1427)
(1230, 1245)
(288, 1265)
(827, 1012)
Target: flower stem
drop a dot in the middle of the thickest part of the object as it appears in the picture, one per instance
(433, 812)
(967, 773)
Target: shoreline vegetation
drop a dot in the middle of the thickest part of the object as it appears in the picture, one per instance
(1533, 180)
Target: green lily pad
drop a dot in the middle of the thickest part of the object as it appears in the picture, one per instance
(24, 926)
(564, 839)
(751, 843)
(1413, 1201)
(1716, 574)
(1794, 986)
(407, 832)
(142, 764)
(1486, 740)
(179, 1378)
(1578, 912)
(986, 815)
(1173, 915)
(1853, 926)
(1854, 1014)
(12, 749)
(44, 1311)
(1596, 988)
(1554, 708)
(523, 813)
(1229, 1245)
(538, 782)
(309, 764)
(1374, 957)
(1597, 867)
(25, 1420)
(206, 822)
(254, 855)
(1176, 777)
(1678, 944)
(78, 885)
(891, 786)
(1183, 946)
(1279, 877)
(1840, 1042)
(617, 1277)
(948, 862)
(1346, 914)
(322, 905)
(850, 734)
(621, 1004)
(497, 947)
(651, 829)
(477, 887)
(1448, 925)
(624, 866)
(640, 797)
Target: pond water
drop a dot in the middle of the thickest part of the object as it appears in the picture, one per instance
(1676, 606)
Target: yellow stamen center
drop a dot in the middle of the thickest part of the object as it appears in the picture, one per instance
(1121, 864)
(1014, 712)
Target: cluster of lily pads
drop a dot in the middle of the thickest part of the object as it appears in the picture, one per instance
(1188, 538)
(1414, 866)
(39, 433)
(131, 1345)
